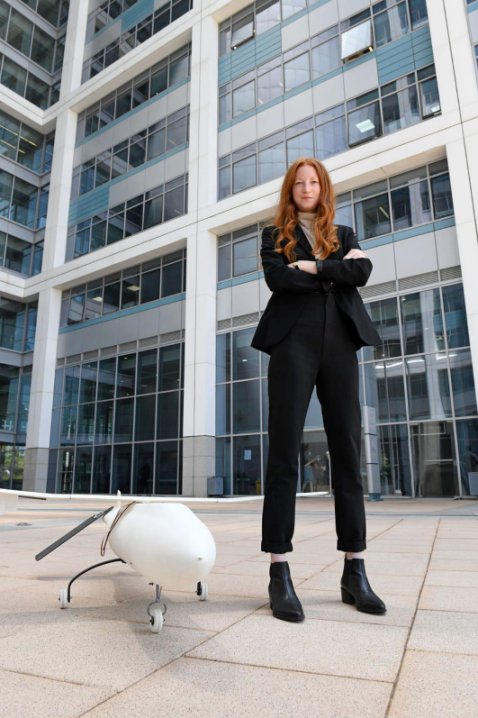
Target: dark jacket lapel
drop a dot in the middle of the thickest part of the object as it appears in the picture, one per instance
(304, 243)
(302, 240)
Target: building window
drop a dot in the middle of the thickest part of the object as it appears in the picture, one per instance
(170, 133)
(406, 200)
(153, 207)
(393, 106)
(134, 36)
(17, 325)
(321, 54)
(238, 252)
(167, 73)
(116, 423)
(148, 282)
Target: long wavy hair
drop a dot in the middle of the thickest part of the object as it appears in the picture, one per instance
(286, 220)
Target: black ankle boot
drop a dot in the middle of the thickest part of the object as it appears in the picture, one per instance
(356, 589)
(283, 599)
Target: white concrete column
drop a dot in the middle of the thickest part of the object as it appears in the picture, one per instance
(455, 63)
(199, 424)
(74, 48)
(41, 396)
(199, 427)
(56, 229)
(443, 60)
(464, 184)
(203, 115)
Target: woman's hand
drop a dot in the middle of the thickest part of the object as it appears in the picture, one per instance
(355, 254)
(305, 265)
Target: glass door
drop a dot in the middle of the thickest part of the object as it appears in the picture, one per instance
(434, 459)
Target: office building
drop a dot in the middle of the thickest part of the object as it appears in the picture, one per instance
(142, 145)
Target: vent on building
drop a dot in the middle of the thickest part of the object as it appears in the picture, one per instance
(127, 347)
(223, 324)
(241, 321)
(87, 356)
(378, 290)
(60, 362)
(108, 352)
(418, 280)
(450, 273)
(170, 337)
(357, 41)
(74, 359)
(148, 342)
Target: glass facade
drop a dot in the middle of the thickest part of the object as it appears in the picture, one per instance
(53, 11)
(117, 423)
(134, 36)
(157, 205)
(17, 325)
(20, 256)
(168, 134)
(389, 22)
(24, 145)
(420, 380)
(26, 84)
(162, 76)
(107, 12)
(308, 61)
(407, 200)
(148, 282)
(23, 202)
(45, 49)
(391, 107)
(32, 61)
(15, 386)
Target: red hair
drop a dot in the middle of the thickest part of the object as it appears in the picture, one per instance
(286, 220)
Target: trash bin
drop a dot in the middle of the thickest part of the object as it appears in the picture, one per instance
(215, 486)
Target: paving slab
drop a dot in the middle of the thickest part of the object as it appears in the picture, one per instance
(433, 685)
(99, 653)
(449, 598)
(27, 695)
(228, 656)
(463, 579)
(444, 631)
(224, 690)
(329, 647)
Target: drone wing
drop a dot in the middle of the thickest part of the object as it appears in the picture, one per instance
(9, 498)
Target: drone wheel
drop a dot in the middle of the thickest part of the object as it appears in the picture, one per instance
(63, 598)
(156, 620)
(202, 591)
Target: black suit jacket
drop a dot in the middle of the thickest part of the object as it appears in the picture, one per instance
(290, 288)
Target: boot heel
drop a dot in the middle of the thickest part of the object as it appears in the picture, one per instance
(346, 597)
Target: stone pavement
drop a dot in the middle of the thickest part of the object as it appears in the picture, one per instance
(228, 656)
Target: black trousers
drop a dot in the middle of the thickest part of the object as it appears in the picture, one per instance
(318, 351)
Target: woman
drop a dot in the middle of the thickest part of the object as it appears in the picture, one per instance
(312, 327)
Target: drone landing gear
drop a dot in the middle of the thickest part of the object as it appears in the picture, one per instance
(202, 591)
(155, 612)
(65, 594)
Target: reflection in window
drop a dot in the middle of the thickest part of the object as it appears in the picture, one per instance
(372, 216)
(462, 382)
(364, 124)
(296, 71)
(455, 316)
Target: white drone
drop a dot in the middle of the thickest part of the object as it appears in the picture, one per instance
(161, 538)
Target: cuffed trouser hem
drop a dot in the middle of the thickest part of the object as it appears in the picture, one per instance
(351, 547)
(268, 547)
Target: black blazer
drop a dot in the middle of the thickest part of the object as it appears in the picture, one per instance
(290, 288)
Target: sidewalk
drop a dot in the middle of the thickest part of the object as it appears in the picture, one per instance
(227, 656)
